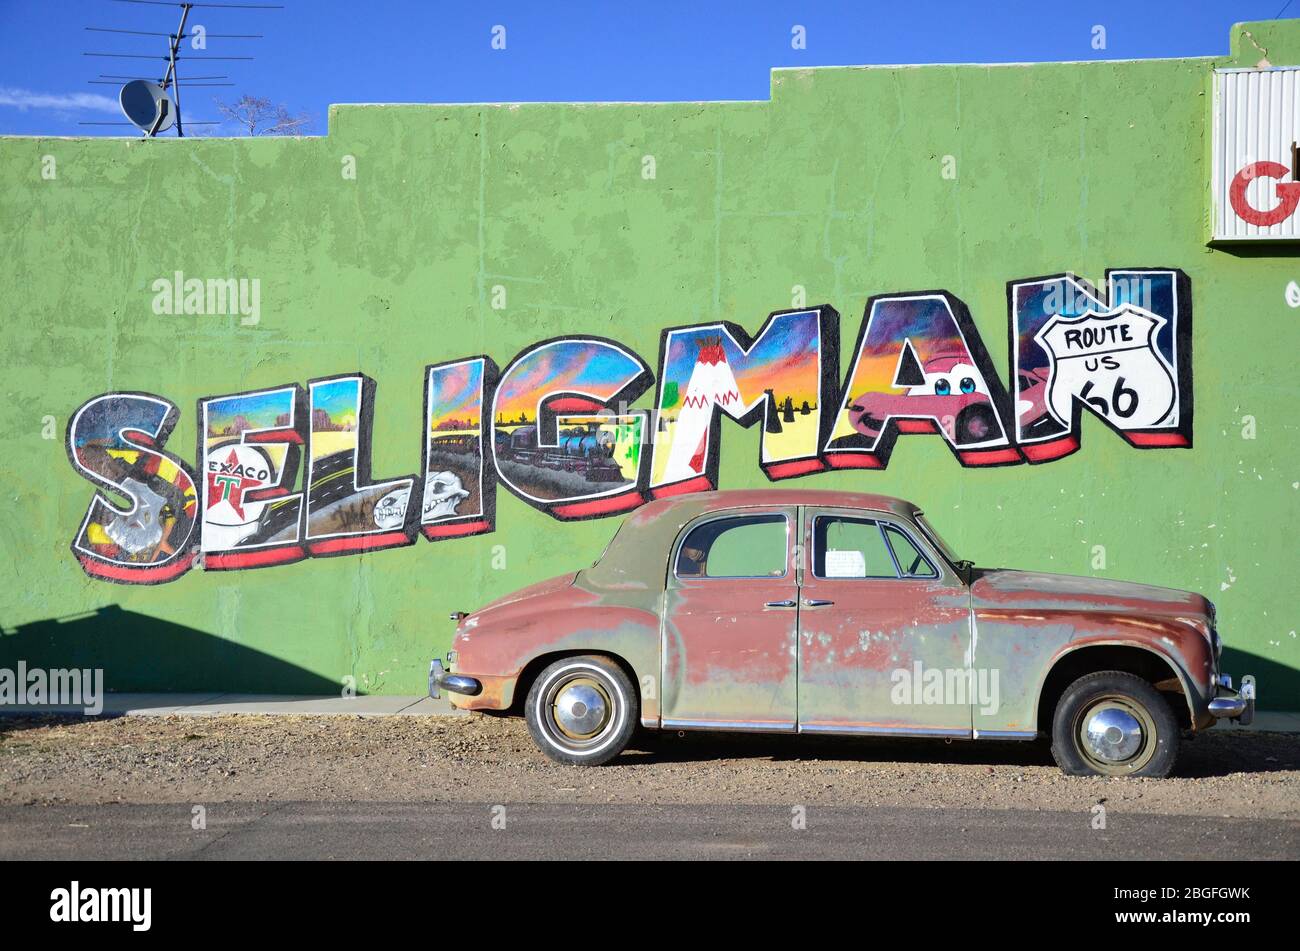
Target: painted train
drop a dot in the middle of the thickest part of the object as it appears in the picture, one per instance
(584, 449)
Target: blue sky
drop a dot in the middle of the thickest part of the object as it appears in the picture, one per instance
(317, 52)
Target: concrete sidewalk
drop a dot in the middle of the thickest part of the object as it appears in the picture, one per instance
(216, 704)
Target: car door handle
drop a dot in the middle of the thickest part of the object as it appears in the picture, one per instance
(816, 602)
(780, 604)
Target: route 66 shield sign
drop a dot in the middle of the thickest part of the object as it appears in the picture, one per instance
(1110, 362)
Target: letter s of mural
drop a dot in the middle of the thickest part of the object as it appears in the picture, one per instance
(115, 441)
(555, 427)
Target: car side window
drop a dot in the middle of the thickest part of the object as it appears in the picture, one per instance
(911, 562)
(850, 548)
(745, 546)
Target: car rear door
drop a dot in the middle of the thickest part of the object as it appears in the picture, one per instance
(730, 623)
(884, 629)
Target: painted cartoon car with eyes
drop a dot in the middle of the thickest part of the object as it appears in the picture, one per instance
(950, 390)
(787, 611)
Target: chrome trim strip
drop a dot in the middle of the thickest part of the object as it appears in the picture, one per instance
(841, 729)
(746, 726)
(848, 729)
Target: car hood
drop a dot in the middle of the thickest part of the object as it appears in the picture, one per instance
(549, 586)
(1003, 587)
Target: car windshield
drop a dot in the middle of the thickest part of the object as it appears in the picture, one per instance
(935, 538)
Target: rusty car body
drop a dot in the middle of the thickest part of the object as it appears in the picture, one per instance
(843, 613)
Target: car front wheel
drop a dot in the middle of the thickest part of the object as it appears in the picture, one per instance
(582, 710)
(1114, 724)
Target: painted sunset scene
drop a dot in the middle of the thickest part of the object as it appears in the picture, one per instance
(588, 452)
(453, 471)
(706, 368)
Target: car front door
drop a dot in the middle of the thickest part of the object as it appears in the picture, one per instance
(884, 629)
(730, 623)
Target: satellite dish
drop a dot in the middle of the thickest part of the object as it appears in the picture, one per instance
(148, 106)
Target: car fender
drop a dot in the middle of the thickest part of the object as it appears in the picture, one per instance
(1193, 695)
(498, 653)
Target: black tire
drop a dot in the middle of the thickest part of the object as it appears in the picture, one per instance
(571, 681)
(976, 423)
(1114, 700)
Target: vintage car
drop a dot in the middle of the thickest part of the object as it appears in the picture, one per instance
(829, 612)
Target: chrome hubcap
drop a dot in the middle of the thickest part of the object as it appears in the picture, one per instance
(581, 709)
(1113, 735)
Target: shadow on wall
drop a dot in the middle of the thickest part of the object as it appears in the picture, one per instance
(1264, 249)
(139, 653)
(1279, 685)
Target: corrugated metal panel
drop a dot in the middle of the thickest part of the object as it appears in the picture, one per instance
(1256, 120)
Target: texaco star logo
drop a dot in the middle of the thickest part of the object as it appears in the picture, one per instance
(229, 479)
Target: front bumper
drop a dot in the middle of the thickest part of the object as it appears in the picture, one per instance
(441, 679)
(1237, 705)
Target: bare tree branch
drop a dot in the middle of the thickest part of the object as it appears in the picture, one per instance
(259, 116)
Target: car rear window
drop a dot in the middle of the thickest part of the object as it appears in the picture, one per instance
(746, 546)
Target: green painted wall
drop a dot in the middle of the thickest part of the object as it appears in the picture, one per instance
(834, 184)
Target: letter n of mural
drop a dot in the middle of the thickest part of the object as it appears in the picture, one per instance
(554, 443)
(785, 376)
(346, 513)
(1129, 362)
(921, 367)
(116, 441)
(459, 490)
(249, 449)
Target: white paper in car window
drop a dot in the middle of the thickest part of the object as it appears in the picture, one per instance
(845, 564)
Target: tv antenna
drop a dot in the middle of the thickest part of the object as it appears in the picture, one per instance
(154, 106)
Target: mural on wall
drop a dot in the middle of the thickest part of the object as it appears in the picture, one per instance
(555, 429)
(116, 442)
(785, 377)
(250, 444)
(1127, 362)
(346, 512)
(553, 443)
(459, 488)
(920, 367)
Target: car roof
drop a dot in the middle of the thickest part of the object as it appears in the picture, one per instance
(736, 498)
(636, 554)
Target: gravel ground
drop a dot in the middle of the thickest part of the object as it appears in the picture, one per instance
(490, 759)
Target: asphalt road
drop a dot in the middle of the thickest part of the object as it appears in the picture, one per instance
(457, 830)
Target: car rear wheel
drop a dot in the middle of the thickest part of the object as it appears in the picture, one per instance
(1113, 723)
(582, 710)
